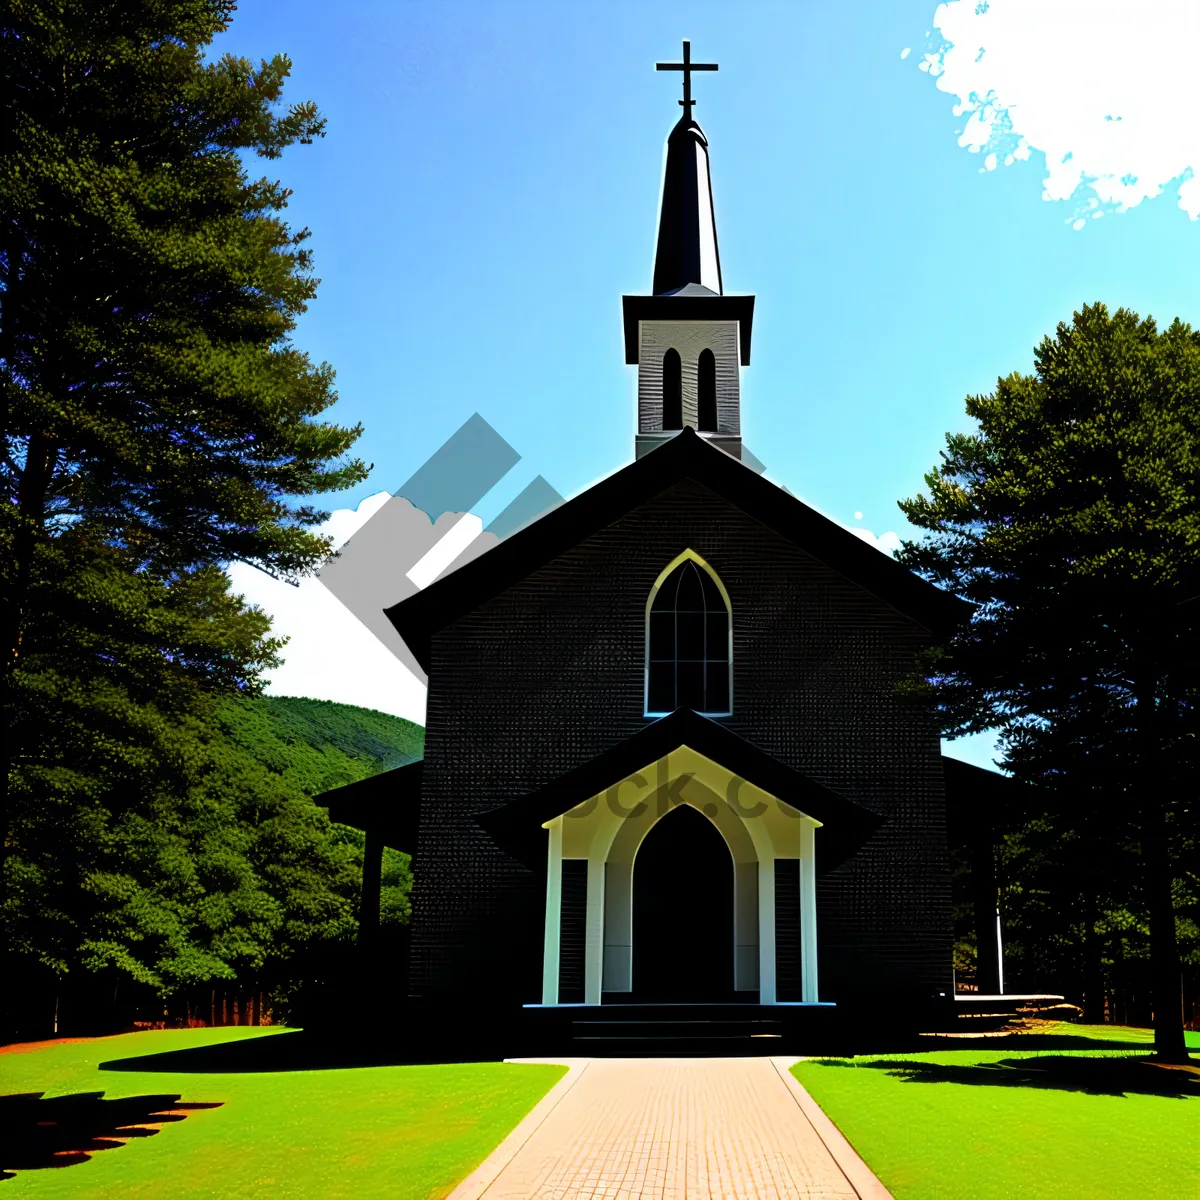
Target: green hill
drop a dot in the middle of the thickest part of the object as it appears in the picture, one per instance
(318, 744)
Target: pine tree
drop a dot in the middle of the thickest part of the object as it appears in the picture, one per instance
(1071, 518)
(149, 285)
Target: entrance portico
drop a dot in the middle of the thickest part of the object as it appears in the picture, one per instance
(606, 830)
(585, 829)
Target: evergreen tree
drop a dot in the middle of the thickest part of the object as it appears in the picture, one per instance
(156, 421)
(149, 389)
(112, 845)
(164, 833)
(1070, 518)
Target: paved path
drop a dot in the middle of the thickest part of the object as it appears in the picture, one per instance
(694, 1128)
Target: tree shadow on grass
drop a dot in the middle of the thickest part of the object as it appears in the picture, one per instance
(1036, 1042)
(300, 1050)
(65, 1130)
(875, 1041)
(1102, 1075)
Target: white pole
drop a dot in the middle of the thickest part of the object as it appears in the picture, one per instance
(553, 914)
(999, 954)
(593, 968)
(766, 931)
(808, 913)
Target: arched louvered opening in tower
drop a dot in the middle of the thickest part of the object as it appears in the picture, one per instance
(672, 385)
(706, 392)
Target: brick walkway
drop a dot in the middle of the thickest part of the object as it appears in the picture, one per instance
(632, 1129)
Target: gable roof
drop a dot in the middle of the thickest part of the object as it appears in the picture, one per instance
(687, 456)
(516, 827)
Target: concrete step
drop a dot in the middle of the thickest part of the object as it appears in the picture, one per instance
(669, 1026)
(678, 1045)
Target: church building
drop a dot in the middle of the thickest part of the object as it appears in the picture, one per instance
(665, 758)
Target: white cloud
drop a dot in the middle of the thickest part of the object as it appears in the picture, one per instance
(1104, 88)
(888, 542)
(331, 655)
(446, 550)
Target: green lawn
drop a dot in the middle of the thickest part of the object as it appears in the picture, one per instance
(405, 1132)
(1036, 1117)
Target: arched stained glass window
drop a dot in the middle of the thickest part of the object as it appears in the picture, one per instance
(672, 388)
(688, 644)
(706, 385)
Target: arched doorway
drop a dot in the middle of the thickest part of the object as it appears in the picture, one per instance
(683, 912)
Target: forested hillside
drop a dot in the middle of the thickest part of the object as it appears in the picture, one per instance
(231, 881)
(318, 744)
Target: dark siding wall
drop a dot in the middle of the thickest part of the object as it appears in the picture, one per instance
(550, 673)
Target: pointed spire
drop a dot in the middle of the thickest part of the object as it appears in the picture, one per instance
(687, 232)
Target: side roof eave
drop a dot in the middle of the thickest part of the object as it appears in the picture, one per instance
(516, 827)
(980, 801)
(388, 803)
(685, 456)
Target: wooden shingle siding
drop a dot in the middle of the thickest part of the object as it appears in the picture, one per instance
(546, 675)
(689, 338)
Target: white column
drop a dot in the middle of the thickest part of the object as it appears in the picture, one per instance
(553, 914)
(766, 931)
(593, 940)
(745, 925)
(618, 928)
(808, 913)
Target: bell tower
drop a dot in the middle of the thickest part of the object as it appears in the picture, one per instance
(688, 339)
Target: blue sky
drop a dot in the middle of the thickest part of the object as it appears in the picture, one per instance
(488, 186)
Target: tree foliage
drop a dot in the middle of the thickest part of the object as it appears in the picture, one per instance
(227, 872)
(1071, 518)
(150, 287)
(112, 689)
(151, 399)
(156, 422)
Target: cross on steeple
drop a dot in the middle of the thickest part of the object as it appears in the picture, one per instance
(687, 67)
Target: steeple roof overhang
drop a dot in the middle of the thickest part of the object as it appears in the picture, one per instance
(516, 827)
(686, 456)
(690, 303)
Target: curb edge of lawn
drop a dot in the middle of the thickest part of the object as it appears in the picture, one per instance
(489, 1170)
(862, 1179)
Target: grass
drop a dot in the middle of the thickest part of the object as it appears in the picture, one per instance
(1074, 1113)
(405, 1132)
(1070, 1113)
